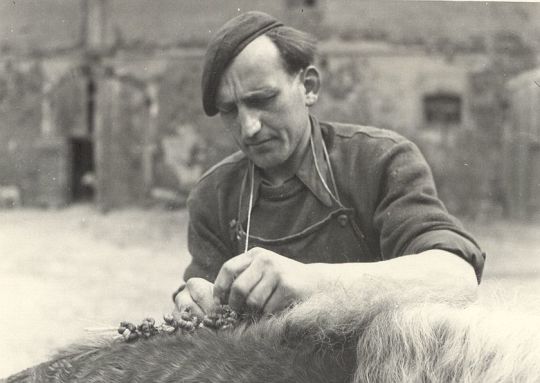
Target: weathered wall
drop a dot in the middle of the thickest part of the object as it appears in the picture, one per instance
(521, 170)
(135, 93)
(153, 140)
(384, 89)
(20, 121)
(176, 142)
(53, 24)
(42, 102)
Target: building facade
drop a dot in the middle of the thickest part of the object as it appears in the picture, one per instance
(120, 123)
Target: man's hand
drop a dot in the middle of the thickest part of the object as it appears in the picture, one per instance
(195, 297)
(263, 280)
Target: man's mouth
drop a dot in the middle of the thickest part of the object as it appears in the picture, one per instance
(258, 143)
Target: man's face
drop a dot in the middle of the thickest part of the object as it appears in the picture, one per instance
(264, 107)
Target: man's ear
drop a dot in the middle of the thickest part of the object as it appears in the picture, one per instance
(312, 84)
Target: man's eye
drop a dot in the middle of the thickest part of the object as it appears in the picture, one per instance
(262, 101)
(227, 109)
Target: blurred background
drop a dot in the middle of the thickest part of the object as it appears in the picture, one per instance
(102, 135)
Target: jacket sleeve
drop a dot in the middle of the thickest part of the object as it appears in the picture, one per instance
(410, 217)
(208, 250)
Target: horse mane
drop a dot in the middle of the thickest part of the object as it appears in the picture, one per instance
(386, 334)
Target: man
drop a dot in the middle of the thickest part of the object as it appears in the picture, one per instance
(307, 204)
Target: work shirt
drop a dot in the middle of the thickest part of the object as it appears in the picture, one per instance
(372, 199)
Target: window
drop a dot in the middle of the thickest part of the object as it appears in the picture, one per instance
(301, 3)
(442, 108)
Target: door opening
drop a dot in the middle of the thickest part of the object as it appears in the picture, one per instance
(83, 179)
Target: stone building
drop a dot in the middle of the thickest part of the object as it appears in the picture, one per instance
(521, 176)
(110, 110)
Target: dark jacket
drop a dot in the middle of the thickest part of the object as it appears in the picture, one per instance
(381, 176)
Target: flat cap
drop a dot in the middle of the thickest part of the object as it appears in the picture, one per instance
(225, 45)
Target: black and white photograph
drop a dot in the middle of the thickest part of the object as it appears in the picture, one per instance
(269, 191)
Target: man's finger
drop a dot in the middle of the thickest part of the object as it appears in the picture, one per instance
(259, 296)
(201, 293)
(227, 274)
(276, 302)
(184, 302)
(243, 285)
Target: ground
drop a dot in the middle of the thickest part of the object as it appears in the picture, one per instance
(66, 271)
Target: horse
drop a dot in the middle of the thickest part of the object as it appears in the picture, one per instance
(383, 334)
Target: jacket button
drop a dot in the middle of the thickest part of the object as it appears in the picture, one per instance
(343, 219)
(232, 224)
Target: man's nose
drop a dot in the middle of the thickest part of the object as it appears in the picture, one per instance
(250, 122)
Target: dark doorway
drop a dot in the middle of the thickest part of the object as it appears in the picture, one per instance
(82, 171)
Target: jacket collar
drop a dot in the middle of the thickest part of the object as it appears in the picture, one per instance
(307, 173)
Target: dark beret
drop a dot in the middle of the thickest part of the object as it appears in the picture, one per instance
(225, 45)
